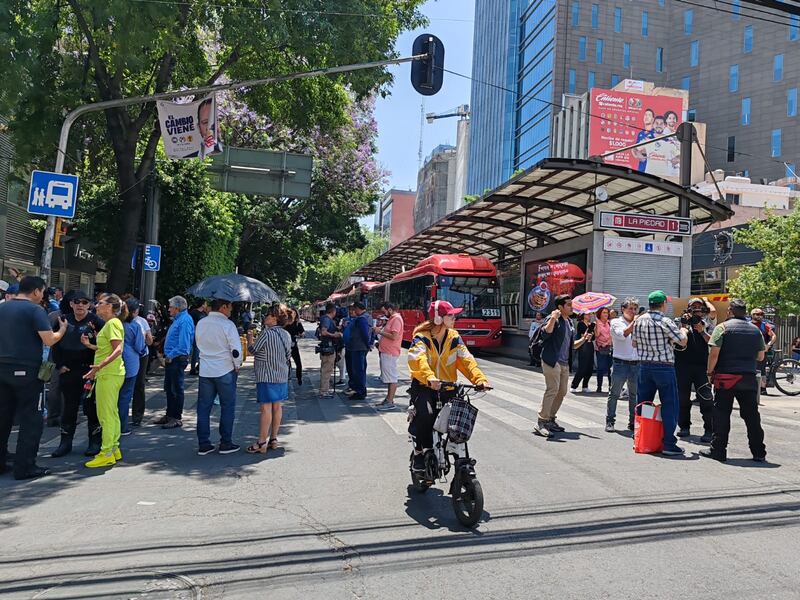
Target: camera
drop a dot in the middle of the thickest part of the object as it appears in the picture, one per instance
(690, 320)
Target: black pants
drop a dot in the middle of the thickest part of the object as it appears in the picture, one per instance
(425, 402)
(585, 365)
(694, 376)
(72, 389)
(297, 362)
(535, 352)
(746, 394)
(137, 408)
(20, 390)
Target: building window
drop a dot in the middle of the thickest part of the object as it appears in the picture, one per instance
(590, 80)
(688, 21)
(694, 54)
(618, 20)
(748, 39)
(791, 102)
(661, 3)
(733, 78)
(731, 148)
(626, 55)
(582, 48)
(736, 9)
(791, 172)
(691, 115)
(576, 13)
(686, 83)
(794, 28)
(777, 68)
(571, 88)
(598, 52)
(595, 16)
(745, 111)
(644, 23)
(614, 79)
(776, 143)
(660, 60)
(732, 198)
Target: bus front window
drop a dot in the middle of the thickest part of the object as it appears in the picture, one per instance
(478, 296)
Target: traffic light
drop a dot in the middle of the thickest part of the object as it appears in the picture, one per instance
(427, 74)
(58, 241)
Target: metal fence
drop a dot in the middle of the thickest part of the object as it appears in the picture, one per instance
(788, 328)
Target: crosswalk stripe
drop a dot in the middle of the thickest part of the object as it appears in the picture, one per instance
(504, 416)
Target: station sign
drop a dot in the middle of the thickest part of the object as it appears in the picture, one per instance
(643, 223)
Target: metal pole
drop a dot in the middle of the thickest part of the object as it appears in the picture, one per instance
(686, 135)
(49, 233)
(152, 224)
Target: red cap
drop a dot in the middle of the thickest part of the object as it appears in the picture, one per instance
(440, 309)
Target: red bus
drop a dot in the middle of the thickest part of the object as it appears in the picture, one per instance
(370, 293)
(468, 282)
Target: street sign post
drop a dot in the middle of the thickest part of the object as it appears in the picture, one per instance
(261, 173)
(152, 257)
(643, 223)
(53, 194)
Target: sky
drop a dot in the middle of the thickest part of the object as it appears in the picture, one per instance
(398, 115)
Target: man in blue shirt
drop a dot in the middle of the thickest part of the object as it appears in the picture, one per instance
(357, 346)
(177, 352)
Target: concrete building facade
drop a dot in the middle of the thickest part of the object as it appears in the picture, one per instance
(395, 216)
(436, 187)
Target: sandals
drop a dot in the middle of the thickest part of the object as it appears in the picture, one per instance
(273, 444)
(258, 448)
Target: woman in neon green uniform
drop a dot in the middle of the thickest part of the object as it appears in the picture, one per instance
(108, 371)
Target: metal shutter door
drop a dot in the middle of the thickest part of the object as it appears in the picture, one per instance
(639, 274)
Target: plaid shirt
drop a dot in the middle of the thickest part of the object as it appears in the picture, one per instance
(653, 335)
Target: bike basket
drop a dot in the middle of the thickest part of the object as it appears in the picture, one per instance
(461, 421)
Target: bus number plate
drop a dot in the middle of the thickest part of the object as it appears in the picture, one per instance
(490, 312)
(470, 342)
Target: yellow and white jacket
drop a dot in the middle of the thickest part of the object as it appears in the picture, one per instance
(428, 360)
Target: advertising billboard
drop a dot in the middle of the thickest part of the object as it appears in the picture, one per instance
(621, 119)
(546, 279)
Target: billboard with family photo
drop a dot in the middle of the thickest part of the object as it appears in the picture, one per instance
(546, 279)
(621, 119)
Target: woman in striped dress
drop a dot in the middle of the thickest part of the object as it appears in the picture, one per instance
(272, 353)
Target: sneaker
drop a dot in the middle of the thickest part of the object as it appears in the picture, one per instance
(126, 432)
(136, 423)
(32, 473)
(326, 394)
(205, 449)
(228, 448)
(759, 458)
(101, 460)
(585, 390)
(387, 407)
(673, 451)
(598, 390)
(162, 421)
(706, 437)
(418, 464)
(630, 426)
(117, 454)
(172, 424)
(610, 427)
(542, 429)
(683, 432)
(553, 426)
(709, 453)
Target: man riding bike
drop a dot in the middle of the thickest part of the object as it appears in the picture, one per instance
(436, 354)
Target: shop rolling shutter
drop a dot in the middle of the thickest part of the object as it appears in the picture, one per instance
(639, 274)
(21, 238)
(73, 280)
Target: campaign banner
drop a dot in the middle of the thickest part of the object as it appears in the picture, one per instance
(189, 129)
(621, 119)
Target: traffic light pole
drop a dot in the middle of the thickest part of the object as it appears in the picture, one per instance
(49, 233)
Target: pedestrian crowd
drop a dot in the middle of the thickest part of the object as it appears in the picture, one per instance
(94, 355)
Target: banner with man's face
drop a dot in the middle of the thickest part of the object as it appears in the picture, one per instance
(189, 130)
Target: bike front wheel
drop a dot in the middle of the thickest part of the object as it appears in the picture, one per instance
(468, 502)
(787, 377)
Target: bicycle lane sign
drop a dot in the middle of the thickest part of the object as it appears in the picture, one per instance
(152, 257)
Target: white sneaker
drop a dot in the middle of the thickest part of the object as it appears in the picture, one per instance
(585, 390)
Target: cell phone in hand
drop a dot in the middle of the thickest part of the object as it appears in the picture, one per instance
(591, 328)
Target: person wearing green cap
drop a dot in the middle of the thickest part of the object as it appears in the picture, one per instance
(654, 336)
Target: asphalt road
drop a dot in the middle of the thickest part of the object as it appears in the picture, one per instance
(331, 515)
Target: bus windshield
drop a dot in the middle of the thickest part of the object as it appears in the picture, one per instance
(478, 296)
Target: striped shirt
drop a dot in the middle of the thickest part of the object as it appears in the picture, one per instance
(653, 335)
(272, 352)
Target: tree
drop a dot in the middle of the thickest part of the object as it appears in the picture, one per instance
(322, 278)
(63, 53)
(775, 280)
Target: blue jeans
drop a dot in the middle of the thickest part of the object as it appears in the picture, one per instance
(603, 368)
(173, 387)
(358, 368)
(124, 404)
(661, 378)
(207, 389)
(621, 374)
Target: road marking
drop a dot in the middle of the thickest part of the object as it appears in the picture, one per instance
(504, 416)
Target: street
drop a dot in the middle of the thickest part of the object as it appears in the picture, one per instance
(331, 515)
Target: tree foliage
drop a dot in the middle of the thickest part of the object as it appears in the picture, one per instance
(322, 278)
(57, 54)
(775, 280)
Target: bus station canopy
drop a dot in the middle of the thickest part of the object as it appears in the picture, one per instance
(551, 202)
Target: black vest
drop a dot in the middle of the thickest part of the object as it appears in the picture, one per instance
(741, 344)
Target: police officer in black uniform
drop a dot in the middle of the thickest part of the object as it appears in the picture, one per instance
(690, 368)
(736, 346)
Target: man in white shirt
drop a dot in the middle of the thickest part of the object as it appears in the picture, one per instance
(625, 364)
(220, 350)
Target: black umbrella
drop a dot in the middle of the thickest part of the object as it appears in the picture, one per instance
(235, 288)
